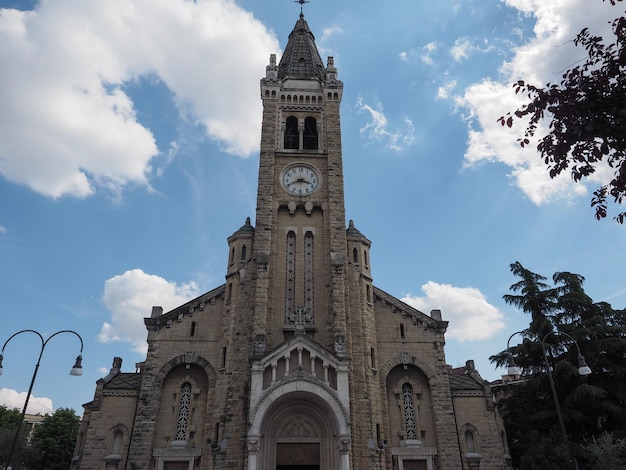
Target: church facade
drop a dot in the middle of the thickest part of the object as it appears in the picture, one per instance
(298, 361)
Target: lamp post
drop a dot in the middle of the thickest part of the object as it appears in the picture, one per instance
(583, 369)
(76, 370)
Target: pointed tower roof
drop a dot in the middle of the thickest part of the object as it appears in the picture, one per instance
(301, 60)
(353, 232)
(246, 229)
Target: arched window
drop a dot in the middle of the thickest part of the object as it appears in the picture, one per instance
(292, 138)
(355, 255)
(184, 407)
(408, 405)
(232, 256)
(118, 437)
(244, 249)
(310, 134)
(470, 445)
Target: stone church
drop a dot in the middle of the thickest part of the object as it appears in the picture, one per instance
(298, 361)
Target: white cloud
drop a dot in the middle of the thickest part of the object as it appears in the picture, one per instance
(68, 127)
(130, 298)
(461, 49)
(379, 129)
(427, 52)
(36, 405)
(327, 33)
(541, 59)
(471, 317)
(443, 92)
(2, 229)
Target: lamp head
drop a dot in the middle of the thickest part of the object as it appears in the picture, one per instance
(512, 368)
(78, 366)
(583, 368)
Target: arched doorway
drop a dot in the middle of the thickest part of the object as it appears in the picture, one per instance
(299, 432)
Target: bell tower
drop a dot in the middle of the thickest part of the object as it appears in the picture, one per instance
(299, 379)
(300, 239)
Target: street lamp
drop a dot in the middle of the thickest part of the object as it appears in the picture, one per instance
(583, 369)
(77, 369)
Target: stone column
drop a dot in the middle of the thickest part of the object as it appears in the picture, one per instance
(253, 450)
(344, 447)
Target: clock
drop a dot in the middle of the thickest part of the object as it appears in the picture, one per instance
(300, 179)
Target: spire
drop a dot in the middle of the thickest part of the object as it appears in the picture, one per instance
(301, 2)
(301, 60)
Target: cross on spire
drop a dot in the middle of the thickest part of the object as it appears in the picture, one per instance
(301, 2)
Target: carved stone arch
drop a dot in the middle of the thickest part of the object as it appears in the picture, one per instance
(410, 417)
(405, 359)
(299, 419)
(187, 358)
(316, 389)
(200, 374)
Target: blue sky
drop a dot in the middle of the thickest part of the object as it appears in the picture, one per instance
(129, 140)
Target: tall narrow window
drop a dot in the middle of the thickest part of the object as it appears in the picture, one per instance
(232, 256)
(355, 255)
(408, 404)
(290, 277)
(118, 437)
(402, 334)
(308, 276)
(244, 253)
(310, 134)
(470, 445)
(192, 332)
(365, 258)
(224, 357)
(184, 407)
(373, 357)
(292, 137)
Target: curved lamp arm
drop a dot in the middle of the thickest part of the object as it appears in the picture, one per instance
(76, 370)
(513, 369)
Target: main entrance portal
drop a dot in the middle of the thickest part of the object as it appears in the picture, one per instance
(299, 433)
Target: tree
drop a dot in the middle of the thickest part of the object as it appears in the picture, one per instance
(587, 117)
(53, 441)
(590, 405)
(8, 424)
(606, 452)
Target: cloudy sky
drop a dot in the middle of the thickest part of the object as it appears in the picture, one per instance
(129, 135)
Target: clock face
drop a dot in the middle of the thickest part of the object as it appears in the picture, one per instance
(300, 179)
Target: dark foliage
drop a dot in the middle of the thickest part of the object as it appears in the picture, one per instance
(53, 441)
(8, 424)
(591, 405)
